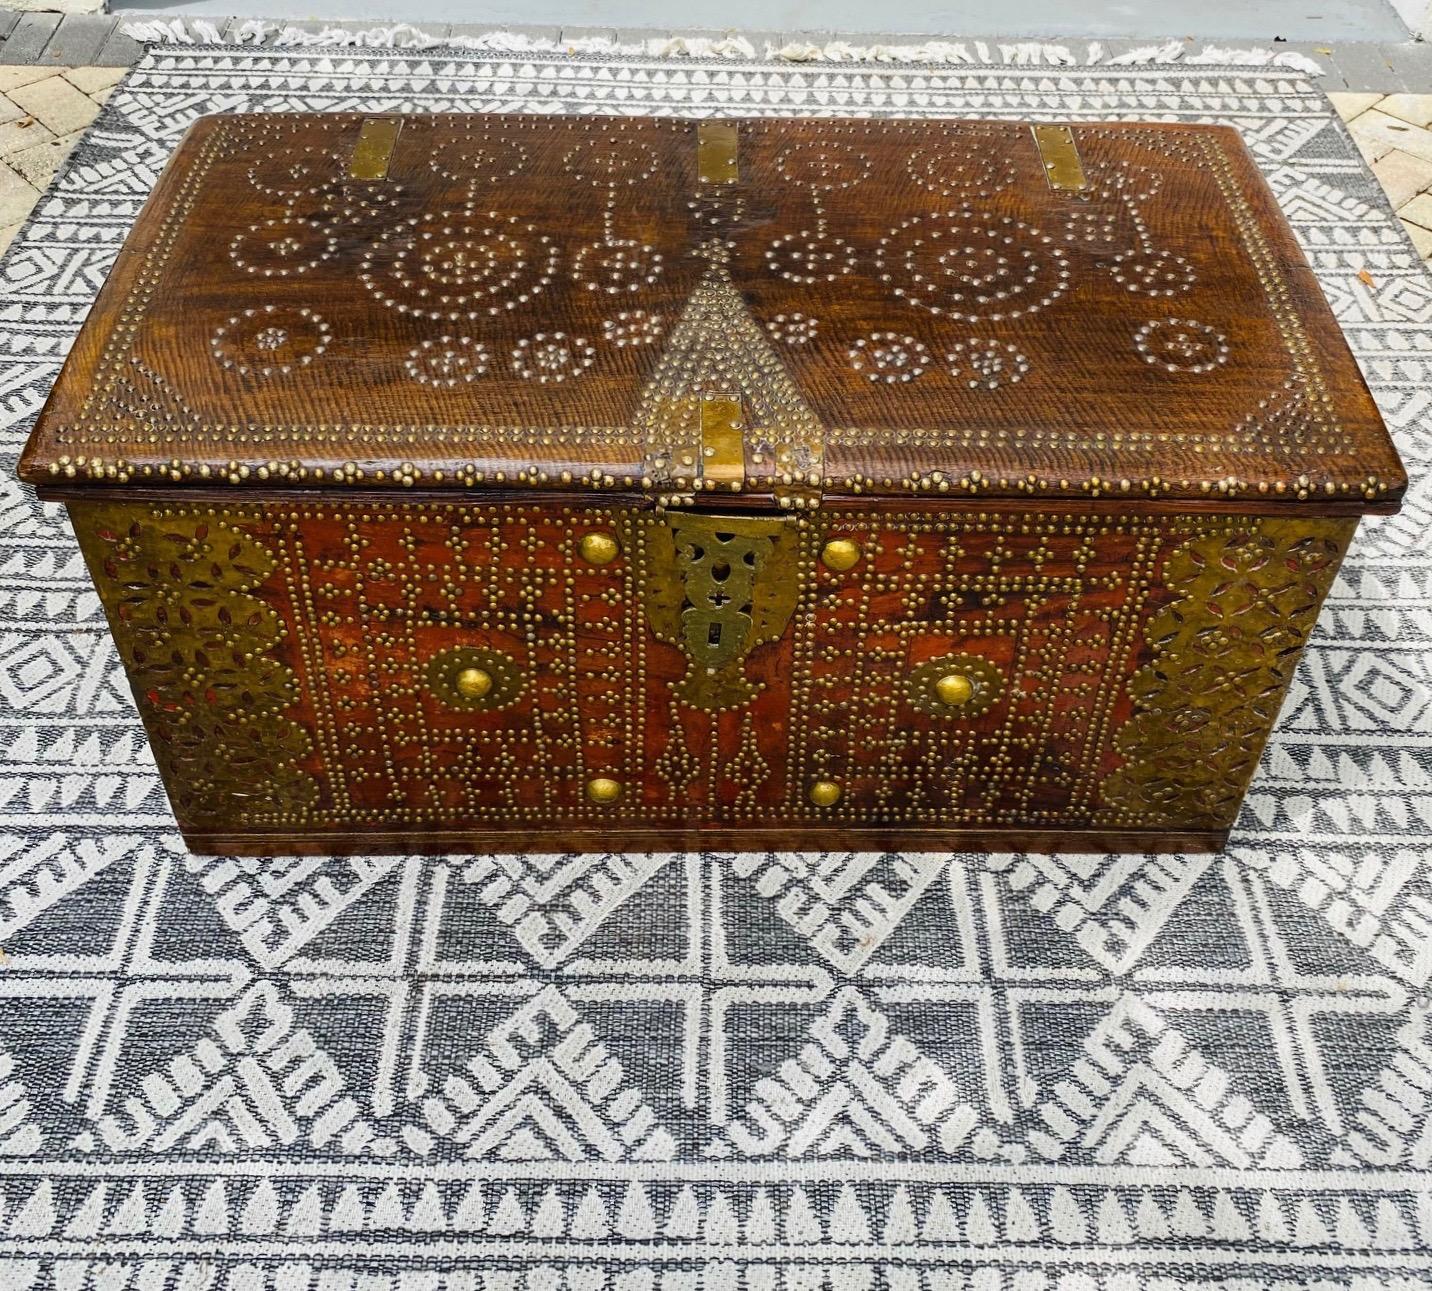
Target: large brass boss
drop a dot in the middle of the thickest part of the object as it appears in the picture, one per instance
(955, 685)
(474, 678)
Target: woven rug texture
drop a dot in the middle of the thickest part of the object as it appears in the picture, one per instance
(597, 1073)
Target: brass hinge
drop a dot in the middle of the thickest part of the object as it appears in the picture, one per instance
(1062, 167)
(723, 444)
(716, 153)
(374, 149)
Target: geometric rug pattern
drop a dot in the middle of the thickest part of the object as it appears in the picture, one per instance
(922, 1072)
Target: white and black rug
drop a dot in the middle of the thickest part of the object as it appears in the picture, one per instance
(913, 1073)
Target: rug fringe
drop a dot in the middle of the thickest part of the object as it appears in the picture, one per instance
(1031, 53)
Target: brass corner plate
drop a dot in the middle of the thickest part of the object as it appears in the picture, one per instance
(1060, 156)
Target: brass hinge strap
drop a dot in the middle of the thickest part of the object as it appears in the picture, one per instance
(374, 149)
(723, 444)
(1062, 167)
(716, 153)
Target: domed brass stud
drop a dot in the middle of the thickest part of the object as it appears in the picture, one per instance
(473, 683)
(600, 789)
(825, 793)
(954, 688)
(599, 548)
(840, 554)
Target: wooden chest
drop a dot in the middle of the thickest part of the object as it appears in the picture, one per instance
(559, 484)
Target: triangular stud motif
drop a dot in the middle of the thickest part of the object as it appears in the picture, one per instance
(718, 349)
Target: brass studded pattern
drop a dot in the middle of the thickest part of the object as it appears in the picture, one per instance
(299, 667)
(894, 307)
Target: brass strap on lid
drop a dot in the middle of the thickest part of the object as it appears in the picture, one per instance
(723, 444)
(374, 149)
(1062, 167)
(716, 153)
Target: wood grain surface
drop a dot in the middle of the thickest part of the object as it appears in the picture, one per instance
(899, 307)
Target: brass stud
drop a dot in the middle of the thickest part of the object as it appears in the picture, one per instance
(600, 789)
(599, 548)
(825, 793)
(954, 688)
(473, 683)
(840, 554)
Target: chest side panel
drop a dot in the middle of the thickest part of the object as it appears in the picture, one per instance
(349, 670)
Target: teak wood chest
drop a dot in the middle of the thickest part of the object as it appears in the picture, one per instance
(551, 483)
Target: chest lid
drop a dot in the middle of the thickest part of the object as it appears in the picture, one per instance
(781, 309)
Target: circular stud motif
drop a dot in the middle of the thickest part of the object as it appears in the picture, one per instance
(599, 548)
(482, 157)
(616, 265)
(889, 357)
(609, 162)
(986, 364)
(840, 554)
(1181, 345)
(281, 248)
(807, 257)
(822, 167)
(969, 266)
(474, 678)
(292, 171)
(272, 339)
(447, 361)
(464, 265)
(947, 173)
(825, 793)
(552, 356)
(602, 790)
(955, 685)
(1152, 273)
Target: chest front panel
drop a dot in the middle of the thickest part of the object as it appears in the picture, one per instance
(515, 669)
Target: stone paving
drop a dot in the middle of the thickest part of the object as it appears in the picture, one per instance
(1394, 132)
(43, 110)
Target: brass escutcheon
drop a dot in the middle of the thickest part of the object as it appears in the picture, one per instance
(717, 587)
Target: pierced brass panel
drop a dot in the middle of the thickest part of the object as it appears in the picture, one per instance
(203, 656)
(1224, 653)
(1060, 156)
(717, 586)
(371, 154)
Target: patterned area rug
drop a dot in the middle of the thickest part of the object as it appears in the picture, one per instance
(1093, 1073)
